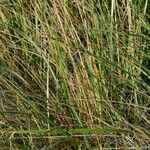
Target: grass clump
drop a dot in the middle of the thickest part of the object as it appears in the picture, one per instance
(74, 74)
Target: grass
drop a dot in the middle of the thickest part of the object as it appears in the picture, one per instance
(74, 74)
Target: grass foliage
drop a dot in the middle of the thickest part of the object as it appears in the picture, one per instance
(74, 74)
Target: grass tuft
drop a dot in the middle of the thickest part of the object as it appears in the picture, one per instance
(74, 74)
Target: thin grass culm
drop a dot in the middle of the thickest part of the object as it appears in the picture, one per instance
(74, 74)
